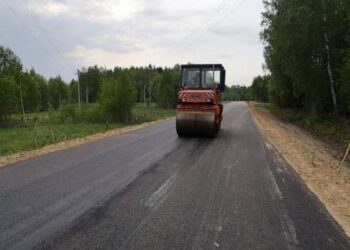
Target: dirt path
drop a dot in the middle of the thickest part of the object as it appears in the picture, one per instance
(321, 176)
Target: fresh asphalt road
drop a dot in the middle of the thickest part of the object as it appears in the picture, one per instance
(149, 189)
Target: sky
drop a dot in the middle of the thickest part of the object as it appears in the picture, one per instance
(57, 37)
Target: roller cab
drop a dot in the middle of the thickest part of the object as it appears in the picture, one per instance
(199, 111)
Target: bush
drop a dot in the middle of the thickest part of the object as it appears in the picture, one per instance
(118, 95)
(68, 113)
(91, 113)
(71, 113)
(53, 116)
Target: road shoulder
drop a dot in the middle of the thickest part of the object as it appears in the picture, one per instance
(314, 161)
(26, 155)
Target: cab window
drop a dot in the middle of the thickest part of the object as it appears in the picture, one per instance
(191, 78)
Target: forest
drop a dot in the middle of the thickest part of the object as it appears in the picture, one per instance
(113, 91)
(307, 53)
(35, 111)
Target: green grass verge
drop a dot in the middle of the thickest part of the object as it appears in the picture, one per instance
(144, 113)
(335, 131)
(23, 138)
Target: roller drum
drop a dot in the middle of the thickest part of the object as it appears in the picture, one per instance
(196, 124)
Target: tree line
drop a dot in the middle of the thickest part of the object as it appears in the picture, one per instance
(237, 93)
(257, 91)
(259, 88)
(307, 51)
(114, 90)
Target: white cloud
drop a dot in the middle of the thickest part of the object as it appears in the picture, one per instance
(48, 8)
(92, 56)
(49, 33)
(92, 10)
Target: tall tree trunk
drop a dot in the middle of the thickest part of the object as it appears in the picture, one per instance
(150, 94)
(87, 94)
(21, 96)
(78, 73)
(79, 94)
(329, 66)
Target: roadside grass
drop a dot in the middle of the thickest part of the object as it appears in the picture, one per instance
(263, 105)
(333, 130)
(38, 131)
(147, 113)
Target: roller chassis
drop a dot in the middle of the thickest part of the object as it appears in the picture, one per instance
(198, 121)
(199, 111)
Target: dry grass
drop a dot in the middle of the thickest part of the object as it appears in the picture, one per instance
(321, 176)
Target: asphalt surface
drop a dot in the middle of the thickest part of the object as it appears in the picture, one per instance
(149, 189)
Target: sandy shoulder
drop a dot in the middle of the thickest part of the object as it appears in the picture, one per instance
(21, 156)
(297, 147)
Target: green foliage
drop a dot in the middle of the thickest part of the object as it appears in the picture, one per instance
(113, 92)
(147, 81)
(43, 90)
(28, 138)
(30, 93)
(155, 83)
(90, 80)
(147, 113)
(8, 96)
(69, 113)
(126, 95)
(72, 113)
(344, 88)
(117, 97)
(58, 92)
(91, 113)
(48, 127)
(10, 64)
(167, 92)
(236, 93)
(260, 88)
(108, 99)
(73, 91)
(165, 86)
(295, 35)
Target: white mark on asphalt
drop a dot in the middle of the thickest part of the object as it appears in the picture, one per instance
(160, 195)
(216, 244)
(274, 184)
(268, 145)
(289, 231)
(218, 229)
(279, 170)
(215, 228)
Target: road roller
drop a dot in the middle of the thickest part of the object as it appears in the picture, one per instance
(199, 108)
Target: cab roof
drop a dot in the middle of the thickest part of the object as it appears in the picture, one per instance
(203, 66)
